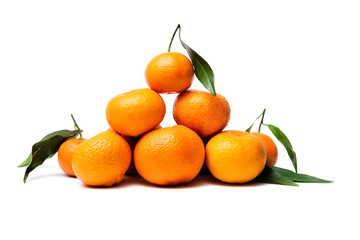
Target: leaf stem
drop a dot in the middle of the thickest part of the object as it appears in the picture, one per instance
(249, 128)
(262, 119)
(172, 38)
(77, 128)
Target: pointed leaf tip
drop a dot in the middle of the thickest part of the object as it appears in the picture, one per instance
(202, 69)
(46, 148)
(270, 175)
(299, 177)
(285, 142)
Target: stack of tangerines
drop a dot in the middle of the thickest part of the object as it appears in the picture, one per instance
(171, 155)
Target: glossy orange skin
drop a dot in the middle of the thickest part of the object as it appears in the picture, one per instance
(102, 160)
(270, 148)
(235, 156)
(132, 143)
(65, 153)
(169, 156)
(135, 112)
(202, 112)
(170, 72)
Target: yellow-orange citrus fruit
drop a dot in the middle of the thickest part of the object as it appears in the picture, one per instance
(235, 156)
(169, 156)
(202, 112)
(65, 153)
(135, 112)
(102, 160)
(170, 72)
(270, 148)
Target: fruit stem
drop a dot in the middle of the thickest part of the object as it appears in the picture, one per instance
(262, 119)
(172, 38)
(77, 128)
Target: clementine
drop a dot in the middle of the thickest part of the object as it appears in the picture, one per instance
(102, 160)
(135, 112)
(169, 156)
(169, 72)
(270, 148)
(202, 112)
(235, 156)
(65, 154)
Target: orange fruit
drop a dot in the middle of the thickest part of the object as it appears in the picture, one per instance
(135, 112)
(132, 143)
(270, 148)
(235, 156)
(170, 72)
(102, 160)
(202, 112)
(169, 156)
(65, 153)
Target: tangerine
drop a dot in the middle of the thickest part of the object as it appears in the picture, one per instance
(135, 112)
(270, 148)
(235, 156)
(169, 156)
(102, 160)
(65, 154)
(202, 112)
(169, 72)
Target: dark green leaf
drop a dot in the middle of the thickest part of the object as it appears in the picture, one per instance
(270, 175)
(297, 177)
(61, 132)
(285, 142)
(203, 70)
(46, 148)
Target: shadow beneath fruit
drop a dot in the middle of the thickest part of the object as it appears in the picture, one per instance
(46, 176)
(128, 181)
(208, 179)
(201, 180)
(133, 180)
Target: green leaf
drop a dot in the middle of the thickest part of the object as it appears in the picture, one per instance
(47, 148)
(249, 128)
(285, 142)
(286, 177)
(28, 160)
(270, 175)
(262, 114)
(202, 69)
(297, 177)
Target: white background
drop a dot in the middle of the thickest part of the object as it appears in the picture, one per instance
(298, 59)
